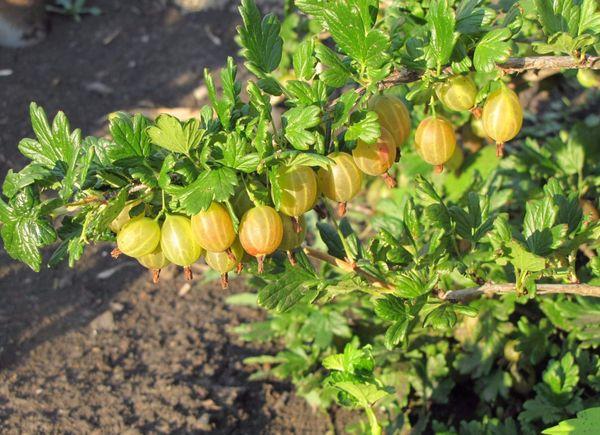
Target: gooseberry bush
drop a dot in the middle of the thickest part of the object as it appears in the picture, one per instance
(425, 240)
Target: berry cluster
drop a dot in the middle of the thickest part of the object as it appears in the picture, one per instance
(262, 229)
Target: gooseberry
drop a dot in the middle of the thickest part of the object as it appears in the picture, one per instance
(242, 202)
(502, 117)
(138, 237)
(393, 116)
(261, 231)
(456, 161)
(224, 262)
(178, 242)
(294, 233)
(154, 261)
(457, 93)
(588, 78)
(376, 158)
(341, 181)
(123, 217)
(435, 141)
(213, 228)
(298, 186)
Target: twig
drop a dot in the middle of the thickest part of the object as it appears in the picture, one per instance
(348, 267)
(467, 294)
(462, 295)
(512, 65)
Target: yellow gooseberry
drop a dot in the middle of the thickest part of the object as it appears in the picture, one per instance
(213, 228)
(435, 141)
(341, 181)
(502, 117)
(261, 231)
(393, 116)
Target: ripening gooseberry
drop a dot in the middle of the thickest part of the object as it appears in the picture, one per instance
(154, 261)
(178, 242)
(298, 189)
(456, 161)
(123, 217)
(224, 262)
(241, 201)
(376, 158)
(261, 231)
(502, 117)
(342, 181)
(139, 237)
(393, 116)
(435, 141)
(457, 93)
(588, 78)
(292, 238)
(294, 233)
(213, 228)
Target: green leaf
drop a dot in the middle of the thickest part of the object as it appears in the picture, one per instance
(212, 185)
(25, 230)
(287, 288)
(558, 16)
(130, 136)
(525, 260)
(169, 133)
(470, 18)
(335, 73)
(442, 22)
(365, 394)
(355, 36)
(394, 309)
(354, 360)
(580, 317)
(492, 49)
(54, 145)
(262, 45)
(442, 317)
(540, 217)
(411, 284)
(297, 121)
(586, 423)
(235, 154)
(303, 60)
(364, 126)
(562, 376)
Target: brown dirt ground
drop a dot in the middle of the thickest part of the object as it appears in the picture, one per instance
(79, 354)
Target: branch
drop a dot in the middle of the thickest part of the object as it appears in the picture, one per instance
(512, 65)
(462, 295)
(468, 294)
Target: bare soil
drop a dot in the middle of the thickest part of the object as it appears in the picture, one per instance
(80, 354)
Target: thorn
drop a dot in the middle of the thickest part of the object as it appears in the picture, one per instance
(439, 169)
(389, 180)
(342, 209)
(115, 253)
(239, 268)
(187, 273)
(500, 149)
(261, 263)
(230, 254)
(291, 258)
(224, 281)
(155, 275)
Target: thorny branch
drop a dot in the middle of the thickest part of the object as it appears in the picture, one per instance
(462, 295)
(512, 65)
